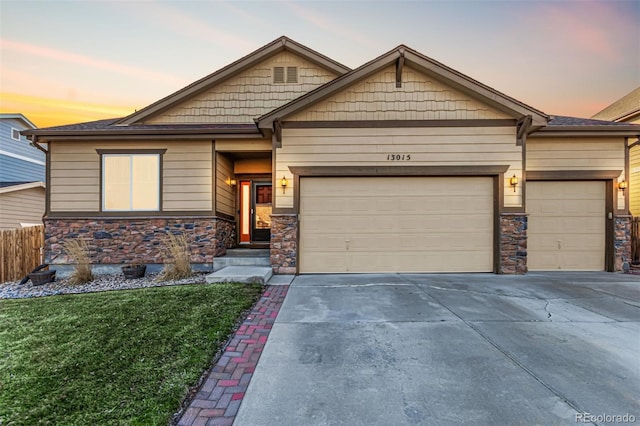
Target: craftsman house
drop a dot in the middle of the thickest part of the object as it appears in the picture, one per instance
(400, 165)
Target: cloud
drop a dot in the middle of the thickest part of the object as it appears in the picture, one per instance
(587, 27)
(183, 24)
(325, 23)
(87, 61)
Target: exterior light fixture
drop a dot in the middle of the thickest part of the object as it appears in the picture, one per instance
(622, 185)
(283, 183)
(513, 181)
(231, 182)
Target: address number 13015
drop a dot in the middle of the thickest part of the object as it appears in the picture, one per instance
(399, 157)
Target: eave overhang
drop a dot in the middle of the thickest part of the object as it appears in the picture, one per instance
(249, 132)
(588, 131)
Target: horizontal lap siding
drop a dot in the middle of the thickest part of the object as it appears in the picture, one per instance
(248, 95)
(225, 195)
(75, 175)
(25, 206)
(551, 154)
(420, 98)
(463, 146)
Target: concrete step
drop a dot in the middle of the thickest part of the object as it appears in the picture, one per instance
(242, 257)
(243, 252)
(241, 274)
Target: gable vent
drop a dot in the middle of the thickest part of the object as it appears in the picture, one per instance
(15, 134)
(280, 77)
(278, 74)
(292, 74)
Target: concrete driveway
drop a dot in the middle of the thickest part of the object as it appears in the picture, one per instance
(545, 348)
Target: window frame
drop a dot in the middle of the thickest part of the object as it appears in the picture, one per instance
(13, 129)
(287, 73)
(159, 153)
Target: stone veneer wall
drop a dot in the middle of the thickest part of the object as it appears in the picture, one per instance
(622, 242)
(284, 243)
(513, 243)
(124, 240)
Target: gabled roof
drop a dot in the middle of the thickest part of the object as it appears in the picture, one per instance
(19, 186)
(422, 63)
(560, 125)
(276, 46)
(622, 109)
(18, 116)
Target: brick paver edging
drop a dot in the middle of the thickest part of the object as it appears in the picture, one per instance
(220, 396)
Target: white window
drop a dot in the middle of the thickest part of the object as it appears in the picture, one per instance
(131, 182)
(15, 134)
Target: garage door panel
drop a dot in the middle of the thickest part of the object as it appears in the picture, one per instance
(398, 224)
(566, 228)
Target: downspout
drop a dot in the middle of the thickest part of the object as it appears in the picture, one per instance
(47, 184)
(34, 143)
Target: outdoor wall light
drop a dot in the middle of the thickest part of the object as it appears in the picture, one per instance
(513, 181)
(622, 185)
(231, 182)
(283, 183)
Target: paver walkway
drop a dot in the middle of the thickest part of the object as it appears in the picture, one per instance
(219, 398)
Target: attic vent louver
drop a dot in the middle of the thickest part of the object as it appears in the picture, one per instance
(292, 74)
(278, 74)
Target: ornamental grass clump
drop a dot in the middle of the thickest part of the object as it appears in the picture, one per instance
(78, 250)
(178, 263)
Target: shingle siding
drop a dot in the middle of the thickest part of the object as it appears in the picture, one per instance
(248, 95)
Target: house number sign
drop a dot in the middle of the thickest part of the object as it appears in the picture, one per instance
(399, 157)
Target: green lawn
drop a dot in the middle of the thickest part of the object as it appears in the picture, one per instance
(120, 357)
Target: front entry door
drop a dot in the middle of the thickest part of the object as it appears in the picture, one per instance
(255, 211)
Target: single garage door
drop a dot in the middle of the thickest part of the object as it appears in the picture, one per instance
(396, 224)
(566, 225)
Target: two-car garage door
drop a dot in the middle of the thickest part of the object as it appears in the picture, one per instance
(396, 224)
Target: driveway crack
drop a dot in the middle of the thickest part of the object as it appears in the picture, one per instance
(546, 306)
(574, 405)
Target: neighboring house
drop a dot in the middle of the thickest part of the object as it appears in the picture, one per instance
(627, 110)
(21, 204)
(400, 165)
(22, 175)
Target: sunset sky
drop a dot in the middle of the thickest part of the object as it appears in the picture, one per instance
(72, 61)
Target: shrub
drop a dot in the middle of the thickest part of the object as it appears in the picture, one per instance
(77, 249)
(178, 262)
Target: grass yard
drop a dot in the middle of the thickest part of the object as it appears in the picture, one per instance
(120, 357)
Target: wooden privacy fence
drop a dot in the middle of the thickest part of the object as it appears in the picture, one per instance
(635, 239)
(20, 252)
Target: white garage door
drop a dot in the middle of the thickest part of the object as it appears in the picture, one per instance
(396, 224)
(566, 226)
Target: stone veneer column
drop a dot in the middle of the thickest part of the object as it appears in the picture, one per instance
(622, 242)
(125, 240)
(284, 243)
(513, 243)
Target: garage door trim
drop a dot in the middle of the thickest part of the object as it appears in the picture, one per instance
(494, 171)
